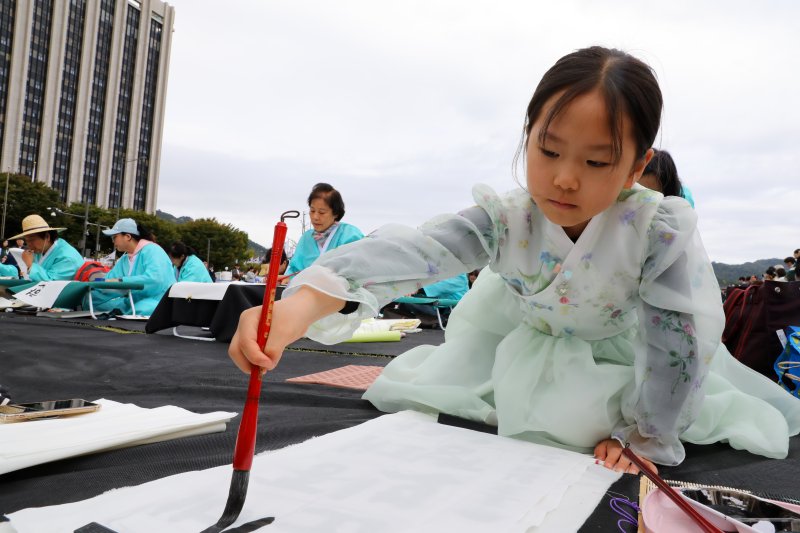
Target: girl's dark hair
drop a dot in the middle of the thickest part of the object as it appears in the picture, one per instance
(179, 249)
(770, 271)
(662, 166)
(628, 85)
(781, 272)
(330, 196)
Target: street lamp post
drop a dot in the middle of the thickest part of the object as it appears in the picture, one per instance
(86, 224)
(5, 208)
(208, 251)
(85, 229)
(97, 236)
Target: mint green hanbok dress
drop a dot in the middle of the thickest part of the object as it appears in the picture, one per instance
(565, 343)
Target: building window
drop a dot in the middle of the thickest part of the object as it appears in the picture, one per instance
(94, 130)
(124, 108)
(69, 91)
(34, 90)
(148, 114)
(6, 43)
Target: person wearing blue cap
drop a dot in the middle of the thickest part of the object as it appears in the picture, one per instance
(143, 261)
(47, 257)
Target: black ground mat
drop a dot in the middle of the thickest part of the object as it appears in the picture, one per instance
(47, 359)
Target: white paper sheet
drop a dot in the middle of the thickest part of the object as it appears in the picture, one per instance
(401, 472)
(44, 294)
(23, 268)
(10, 303)
(115, 425)
(200, 291)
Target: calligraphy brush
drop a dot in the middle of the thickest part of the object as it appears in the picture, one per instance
(246, 438)
(685, 506)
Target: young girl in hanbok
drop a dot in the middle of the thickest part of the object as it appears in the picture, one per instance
(597, 322)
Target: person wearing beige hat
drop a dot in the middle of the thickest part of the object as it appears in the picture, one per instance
(47, 257)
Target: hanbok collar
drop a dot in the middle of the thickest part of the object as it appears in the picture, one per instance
(43, 256)
(323, 238)
(585, 241)
(132, 257)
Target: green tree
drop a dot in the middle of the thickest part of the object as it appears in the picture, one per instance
(228, 244)
(25, 198)
(72, 219)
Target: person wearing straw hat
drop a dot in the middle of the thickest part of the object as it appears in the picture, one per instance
(47, 257)
(143, 261)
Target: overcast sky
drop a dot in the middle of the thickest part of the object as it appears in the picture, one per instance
(404, 105)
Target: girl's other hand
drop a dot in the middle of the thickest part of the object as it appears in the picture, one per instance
(609, 451)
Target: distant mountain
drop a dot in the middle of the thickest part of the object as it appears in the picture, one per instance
(171, 218)
(257, 248)
(730, 274)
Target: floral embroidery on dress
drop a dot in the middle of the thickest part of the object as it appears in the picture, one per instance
(532, 282)
(614, 315)
(684, 356)
(537, 305)
(666, 237)
(628, 217)
(549, 260)
(545, 327)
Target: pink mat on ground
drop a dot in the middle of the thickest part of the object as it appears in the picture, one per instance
(349, 377)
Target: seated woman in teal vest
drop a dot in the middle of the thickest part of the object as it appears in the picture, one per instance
(143, 261)
(47, 257)
(188, 267)
(325, 209)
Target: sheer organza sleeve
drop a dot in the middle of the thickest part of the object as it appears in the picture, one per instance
(680, 323)
(397, 260)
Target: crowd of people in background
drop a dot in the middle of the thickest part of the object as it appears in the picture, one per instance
(38, 254)
(47, 257)
(785, 272)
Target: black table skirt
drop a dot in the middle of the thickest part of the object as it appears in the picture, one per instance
(220, 316)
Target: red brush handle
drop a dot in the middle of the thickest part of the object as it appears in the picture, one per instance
(687, 508)
(246, 439)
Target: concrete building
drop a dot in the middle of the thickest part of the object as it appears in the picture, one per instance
(82, 92)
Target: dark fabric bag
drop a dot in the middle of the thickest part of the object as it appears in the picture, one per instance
(752, 317)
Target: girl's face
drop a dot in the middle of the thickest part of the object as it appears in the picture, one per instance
(571, 175)
(321, 214)
(177, 261)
